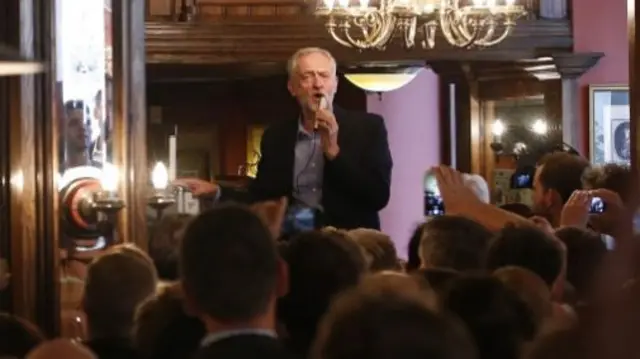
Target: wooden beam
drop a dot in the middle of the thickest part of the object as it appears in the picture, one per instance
(634, 82)
(275, 39)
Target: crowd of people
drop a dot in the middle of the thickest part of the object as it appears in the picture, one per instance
(476, 282)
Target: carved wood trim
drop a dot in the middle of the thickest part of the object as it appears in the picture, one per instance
(274, 39)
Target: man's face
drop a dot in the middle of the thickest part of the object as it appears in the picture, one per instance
(78, 132)
(541, 198)
(314, 76)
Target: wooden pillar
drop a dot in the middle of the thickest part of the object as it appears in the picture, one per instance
(570, 67)
(28, 225)
(634, 82)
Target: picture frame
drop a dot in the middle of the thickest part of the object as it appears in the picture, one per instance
(609, 131)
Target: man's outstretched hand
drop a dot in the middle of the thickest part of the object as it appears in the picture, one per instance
(197, 187)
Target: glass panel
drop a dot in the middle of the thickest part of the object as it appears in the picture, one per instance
(84, 75)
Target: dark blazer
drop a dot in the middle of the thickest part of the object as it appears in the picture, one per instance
(244, 347)
(356, 183)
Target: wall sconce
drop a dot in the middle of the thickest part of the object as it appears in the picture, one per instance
(161, 198)
(90, 204)
(497, 129)
(540, 127)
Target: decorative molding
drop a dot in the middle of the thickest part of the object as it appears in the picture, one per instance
(574, 65)
(274, 39)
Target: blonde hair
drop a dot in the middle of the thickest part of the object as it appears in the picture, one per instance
(292, 64)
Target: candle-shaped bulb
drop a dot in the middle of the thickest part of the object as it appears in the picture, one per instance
(109, 180)
(329, 4)
(160, 176)
(364, 4)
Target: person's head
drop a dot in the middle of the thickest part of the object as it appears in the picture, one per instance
(454, 242)
(77, 129)
(520, 209)
(389, 317)
(379, 247)
(164, 243)
(498, 320)
(478, 185)
(116, 283)
(321, 265)
(61, 348)
(615, 177)
(132, 250)
(527, 247)
(413, 248)
(585, 253)
(530, 288)
(229, 268)
(312, 74)
(18, 337)
(557, 176)
(163, 328)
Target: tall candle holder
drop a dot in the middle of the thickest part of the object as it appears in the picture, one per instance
(162, 197)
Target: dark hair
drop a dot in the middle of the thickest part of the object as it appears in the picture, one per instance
(520, 209)
(164, 243)
(619, 178)
(454, 242)
(496, 317)
(527, 247)
(321, 265)
(163, 328)
(384, 323)
(18, 337)
(74, 105)
(229, 264)
(562, 172)
(585, 253)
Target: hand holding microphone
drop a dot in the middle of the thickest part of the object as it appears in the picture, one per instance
(325, 122)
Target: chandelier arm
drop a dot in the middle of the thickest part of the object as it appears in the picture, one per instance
(386, 32)
(410, 33)
(463, 39)
(464, 22)
(445, 26)
(336, 37)
(507, 31)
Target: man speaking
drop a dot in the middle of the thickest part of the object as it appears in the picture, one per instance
(329, 159)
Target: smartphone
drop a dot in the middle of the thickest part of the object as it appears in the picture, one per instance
(299, 219)
(597, 205)
(433, 204)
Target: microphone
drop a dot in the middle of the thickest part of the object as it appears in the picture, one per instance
(322, 104)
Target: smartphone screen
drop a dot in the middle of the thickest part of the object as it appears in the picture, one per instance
(597, 205)
(433, 205)
(299, 219)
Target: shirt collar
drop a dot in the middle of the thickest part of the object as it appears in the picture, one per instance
(218, 336)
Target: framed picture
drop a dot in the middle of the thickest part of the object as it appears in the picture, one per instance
(609, 113)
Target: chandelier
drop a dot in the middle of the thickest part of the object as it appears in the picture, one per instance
(463, 23)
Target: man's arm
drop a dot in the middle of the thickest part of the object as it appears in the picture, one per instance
(366, 178)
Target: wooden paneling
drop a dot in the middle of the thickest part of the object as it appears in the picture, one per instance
(275, 39)
(203, 9)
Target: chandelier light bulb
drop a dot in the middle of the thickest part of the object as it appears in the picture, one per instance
(511, 2)
(329, 4)
(478, 3)
(364, 4)
(540, 127)
(160, 176)
(343, 3)
(497, 128)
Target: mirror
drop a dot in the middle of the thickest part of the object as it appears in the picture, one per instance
(83, 96)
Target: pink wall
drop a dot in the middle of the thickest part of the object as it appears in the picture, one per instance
(412, 118)
(601, 27)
